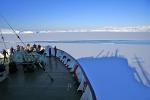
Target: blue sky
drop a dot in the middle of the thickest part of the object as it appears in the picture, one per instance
(74, 14)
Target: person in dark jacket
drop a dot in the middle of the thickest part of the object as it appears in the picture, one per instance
(11, 50)
(5, 53)
(55, 49)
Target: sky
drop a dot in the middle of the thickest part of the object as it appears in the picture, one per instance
(73, 14)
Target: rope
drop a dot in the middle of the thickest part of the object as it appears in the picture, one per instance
(12, 29)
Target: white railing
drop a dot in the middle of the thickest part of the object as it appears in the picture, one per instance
(77, 72)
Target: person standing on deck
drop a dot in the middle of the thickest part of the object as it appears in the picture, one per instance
(38, 48)
(11, 54)
(55, 49)
(27, 47)
(34, 48)
(18, 48)
(5, 53)
(11, 50)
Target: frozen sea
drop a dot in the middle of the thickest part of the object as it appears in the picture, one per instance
(96, 49)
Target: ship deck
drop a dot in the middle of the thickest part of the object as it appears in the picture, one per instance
(38, 85)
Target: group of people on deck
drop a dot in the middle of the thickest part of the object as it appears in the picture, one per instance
(28, 49)
(30, 56)
(24, 51)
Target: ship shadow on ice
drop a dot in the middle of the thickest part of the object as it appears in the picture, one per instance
(113, 78)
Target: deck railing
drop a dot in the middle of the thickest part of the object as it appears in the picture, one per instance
(64, 56)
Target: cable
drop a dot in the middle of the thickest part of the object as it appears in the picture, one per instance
(12, 29)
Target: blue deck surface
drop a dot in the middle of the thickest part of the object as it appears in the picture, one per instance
(112, 79)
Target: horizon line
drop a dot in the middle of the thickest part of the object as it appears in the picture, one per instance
(143, 28)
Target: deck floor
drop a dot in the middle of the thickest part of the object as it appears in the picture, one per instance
(38, 85)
